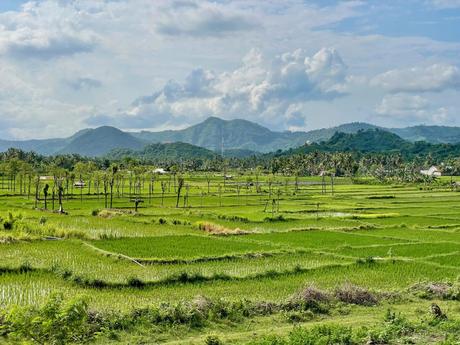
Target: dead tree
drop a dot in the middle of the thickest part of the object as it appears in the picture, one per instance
(136, 202)
(180, 184)
(60, 195)
(45, 194)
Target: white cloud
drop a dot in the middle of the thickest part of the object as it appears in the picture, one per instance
(434, 78)
(262, 90)
(404, 107)
(44, 31)
(192, 18)
(63, 61)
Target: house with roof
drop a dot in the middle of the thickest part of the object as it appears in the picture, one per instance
(431, 172)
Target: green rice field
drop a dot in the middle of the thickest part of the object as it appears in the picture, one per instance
(257, 245)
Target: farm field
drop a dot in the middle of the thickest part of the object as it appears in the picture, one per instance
(248, 251)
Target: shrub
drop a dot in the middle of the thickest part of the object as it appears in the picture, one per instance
(12, 219)
(55, 323)
(309, 298)
(353, 294)
(233, 218)
(212, 340)
(136, 282)
(216, 229)
(279, 218)
(366, 261)
(431, 290)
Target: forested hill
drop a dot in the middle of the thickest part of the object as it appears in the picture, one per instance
(215, 133)
(163, 152)
(377, 141)
(99, 141)
(238, 138)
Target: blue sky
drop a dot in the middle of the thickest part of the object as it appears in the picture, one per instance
(404, 18)
(10, 5)
(289, 65)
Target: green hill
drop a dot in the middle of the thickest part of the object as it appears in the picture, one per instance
(214, 133)
(238, 138)
(378, 141)
(99, 141)
(431, 134)
(163, 152)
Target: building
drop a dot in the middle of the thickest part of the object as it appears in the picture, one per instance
(432, 172)
(160, 171)
(79, 184)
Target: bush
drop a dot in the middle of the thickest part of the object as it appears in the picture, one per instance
(12, 219)
(366, 261)
(352, 294)
(431, 290)
(309, 298)
(279, 218)
(55, 323)
(324, 335)
(42, 220)
(136, 283)
(212, 340)
(233, 218)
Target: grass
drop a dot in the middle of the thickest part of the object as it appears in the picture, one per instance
(170, 248)
(314, 238)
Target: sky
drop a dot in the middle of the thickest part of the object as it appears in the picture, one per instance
(292, 65)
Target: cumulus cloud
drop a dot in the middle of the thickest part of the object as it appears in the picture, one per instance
(193, 18)
(434, 78)
(43, 31)
(57, 47)
(258, 89)
(406, 107)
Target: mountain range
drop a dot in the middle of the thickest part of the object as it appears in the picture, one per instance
(236, 137)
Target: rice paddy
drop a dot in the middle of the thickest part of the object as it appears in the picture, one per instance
(234, 245)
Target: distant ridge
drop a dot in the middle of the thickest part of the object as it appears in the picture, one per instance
(238, 138)
(164, 152)
(378, 141)
(100, 141)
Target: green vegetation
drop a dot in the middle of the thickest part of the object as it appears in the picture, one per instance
(380, 141)
(242, 138)
(163, 152)
(241, 257)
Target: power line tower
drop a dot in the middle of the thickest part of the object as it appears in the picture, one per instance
(222, 141)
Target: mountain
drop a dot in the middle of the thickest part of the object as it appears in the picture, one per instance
(371, 140)
(214, 133)
(164, 152)
(378, 141)
(238, 138)
(44, 146)
(431, 134)
(99, 141)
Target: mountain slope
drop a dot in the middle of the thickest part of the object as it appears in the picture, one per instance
(236, 137)
(164, 152)
(99, 141)
(378, 141)
(431, 134)
(214, 133)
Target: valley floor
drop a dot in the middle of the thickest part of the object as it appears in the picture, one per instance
(239, 265)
